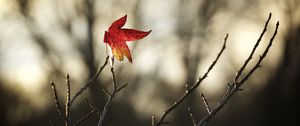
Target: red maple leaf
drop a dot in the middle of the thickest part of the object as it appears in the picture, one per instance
(116, 37)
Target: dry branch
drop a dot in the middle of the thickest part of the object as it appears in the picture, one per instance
(239, 73)
(193, 88)
(235, 85)
(57, 101)
(191, 115)
(69, 101)
(92, 106)
(205, 103)
(87, 115)
(84, 118)
(90, 81)
(115, 89)
(67, 114)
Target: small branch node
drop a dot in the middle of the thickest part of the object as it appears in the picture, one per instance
(92, 106)
(106, 92)
(120, 88)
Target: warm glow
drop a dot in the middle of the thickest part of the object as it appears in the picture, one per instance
(54, 40)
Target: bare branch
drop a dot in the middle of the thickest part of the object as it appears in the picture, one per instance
(239, 73)
(67, 114)
(193, 88)
(205, 103)
(90, 81)
(115, 90)
(106, 92)
(89, 114)
(84, 118)
(92, 106)
(262, 56)
(235, 86)
(106, 106)
(113, 79)
(57, 101)
(191, 115)
(120, 88)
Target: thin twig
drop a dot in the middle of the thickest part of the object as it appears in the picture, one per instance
(191, 115)
(57, 101)
(262, 56)
(193, 88)
(113, 79)
(120, 88)
(84, 118)
(235, 86)
(115, 90)
(239, 73)
(68, 100)
(205, 103)
(89, 114)
(106, 92)
(106, 106)
(90, 81)
(92, 106)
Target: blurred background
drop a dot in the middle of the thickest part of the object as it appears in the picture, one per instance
(41, 40)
